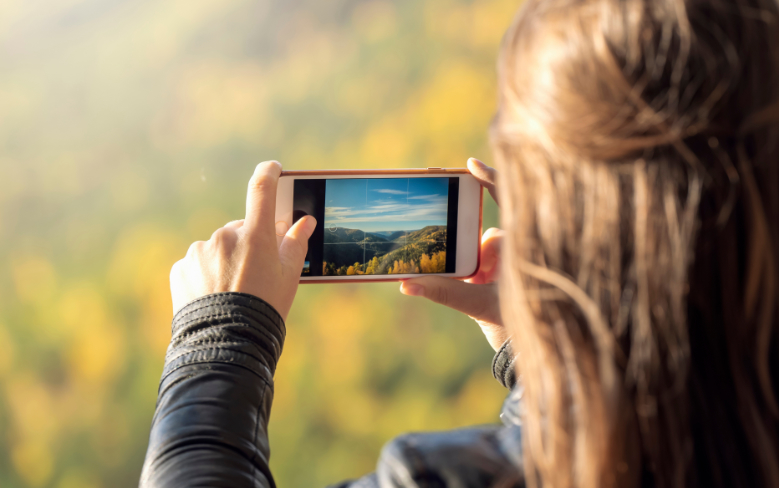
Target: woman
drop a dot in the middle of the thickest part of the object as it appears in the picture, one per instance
(638, 149)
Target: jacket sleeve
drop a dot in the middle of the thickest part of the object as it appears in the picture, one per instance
(210, 427)
(504, 366)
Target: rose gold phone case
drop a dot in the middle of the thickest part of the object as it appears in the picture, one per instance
(394, 172)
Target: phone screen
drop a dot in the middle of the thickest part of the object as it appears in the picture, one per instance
(379, 226)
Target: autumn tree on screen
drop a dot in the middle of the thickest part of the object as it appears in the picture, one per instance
(372, 266)
(427, 264)
(433, 264)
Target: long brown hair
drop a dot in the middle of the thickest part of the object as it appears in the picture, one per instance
(638, 145)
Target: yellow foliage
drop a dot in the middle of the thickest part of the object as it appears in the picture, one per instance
(372, 266)
(216, 101)
(36, 422)
(433, 264)
(93, 343)
(31, 407)
(130, 189)
(478, 24)
(424, 263)
(204, 221)
(386, 143)
(337, 337)
(427, 264)
(33, 462)
(7, 351)
(173, 112)
(479, 397)
(140, 268)
(374, 20)
(98, 356)
(34, 278)
(489, 20)
(76, 478)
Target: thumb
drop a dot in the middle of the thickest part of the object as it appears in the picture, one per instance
(294, 245)
(478, 301)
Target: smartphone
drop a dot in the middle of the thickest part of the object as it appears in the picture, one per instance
(385, 225)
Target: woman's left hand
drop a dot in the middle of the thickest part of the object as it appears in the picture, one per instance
(246, 255)
(478, 296)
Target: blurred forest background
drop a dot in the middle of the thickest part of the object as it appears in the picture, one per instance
(129, 129)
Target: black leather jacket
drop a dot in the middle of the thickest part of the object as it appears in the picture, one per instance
(211, 423)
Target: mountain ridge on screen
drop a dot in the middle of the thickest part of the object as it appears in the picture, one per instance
(345, 247)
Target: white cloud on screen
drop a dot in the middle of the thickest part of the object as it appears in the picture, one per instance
(432, 208)
(425, 197)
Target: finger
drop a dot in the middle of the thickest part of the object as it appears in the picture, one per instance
(294, 246)
(490, 248)
(478, 301)
(490, 233)
(176, 270)
(235, 224)
(261, 199)
(223, 239)
(281, 229)
(489, 257)
(488, 177)
(222, 233)
(194, 249)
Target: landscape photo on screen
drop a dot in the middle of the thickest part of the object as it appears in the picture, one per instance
(385, 226)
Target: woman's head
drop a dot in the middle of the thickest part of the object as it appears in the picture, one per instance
(638, 143)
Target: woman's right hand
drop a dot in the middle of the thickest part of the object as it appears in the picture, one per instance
(248, 255)
(476, 297)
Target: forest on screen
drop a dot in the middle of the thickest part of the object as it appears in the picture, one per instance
(385, 226)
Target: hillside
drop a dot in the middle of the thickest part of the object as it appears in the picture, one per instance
(426, 241)
(347, 247)
(342, 234)
(429, 232)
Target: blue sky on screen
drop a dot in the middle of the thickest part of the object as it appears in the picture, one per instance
(377, 205)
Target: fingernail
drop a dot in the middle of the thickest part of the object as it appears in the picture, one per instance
(272, 162)
(281, 228)
(310, 225)
(412, 290)
(478, 163)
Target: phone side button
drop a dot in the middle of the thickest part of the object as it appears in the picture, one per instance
(435, 168)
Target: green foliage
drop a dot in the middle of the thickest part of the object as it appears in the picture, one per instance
(130, 129)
